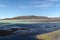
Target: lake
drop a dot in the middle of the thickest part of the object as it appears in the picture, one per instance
(36, 28)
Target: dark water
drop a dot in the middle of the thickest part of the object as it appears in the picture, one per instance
(39, 28)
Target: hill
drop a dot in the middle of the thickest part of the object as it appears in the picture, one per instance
(34, 19)
(27, 17)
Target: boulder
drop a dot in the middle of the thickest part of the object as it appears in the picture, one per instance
(5, 33)
(13, 29)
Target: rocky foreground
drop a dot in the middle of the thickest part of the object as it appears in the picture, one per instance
(49, 36)
(11, 31)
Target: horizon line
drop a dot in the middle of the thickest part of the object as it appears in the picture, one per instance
(31, 15)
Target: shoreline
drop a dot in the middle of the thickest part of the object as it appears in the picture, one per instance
(31, 22)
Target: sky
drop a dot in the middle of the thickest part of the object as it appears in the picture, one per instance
(12, 8)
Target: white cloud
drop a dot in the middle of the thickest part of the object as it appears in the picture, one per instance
(53, 0)
(43, 5)
(23, 7)
(39, 3)
(46, 3)
(57, 5)
(52, 16)
(3, 5)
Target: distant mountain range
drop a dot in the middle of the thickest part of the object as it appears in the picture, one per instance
(36, 18)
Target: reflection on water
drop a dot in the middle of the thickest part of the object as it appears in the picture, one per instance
(35, 29)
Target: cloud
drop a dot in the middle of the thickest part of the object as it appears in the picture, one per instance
(41, 3)
(3, 5)
(52, 16)
(46, 3)
(53, 0)
(23, 7)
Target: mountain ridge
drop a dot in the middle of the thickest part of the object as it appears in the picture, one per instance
(34, 19)
(27, 17)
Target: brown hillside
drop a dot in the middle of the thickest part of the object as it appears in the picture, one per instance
(28, 17)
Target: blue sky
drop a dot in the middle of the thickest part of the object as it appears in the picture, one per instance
(12, 8)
